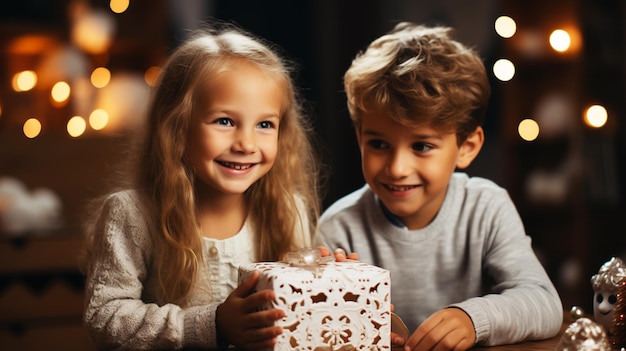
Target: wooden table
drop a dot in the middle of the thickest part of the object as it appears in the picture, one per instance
(540, 345)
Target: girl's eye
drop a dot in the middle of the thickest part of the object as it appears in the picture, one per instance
(377, 144)
(223, 121)
(266, 125)
(421, 147)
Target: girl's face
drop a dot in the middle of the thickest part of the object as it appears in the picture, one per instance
(233, 134)
(409, 168)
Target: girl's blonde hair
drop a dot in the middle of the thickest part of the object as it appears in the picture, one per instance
(167, 179)
(418, 75)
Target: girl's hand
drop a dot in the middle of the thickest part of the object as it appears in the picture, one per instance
(340, 254)
(239, 321)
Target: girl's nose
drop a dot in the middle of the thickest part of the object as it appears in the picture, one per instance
(245, 142)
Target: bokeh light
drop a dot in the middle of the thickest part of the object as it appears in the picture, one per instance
(76, 126)
(119, 6)
(60, 91)
(100, 77)
(24, 81)
(596, 116)
(528, 129)
(560, 40)
(98, 119)
(32, 128)
(504, 70)
(505, 26)
(151, 75)
(93, 31)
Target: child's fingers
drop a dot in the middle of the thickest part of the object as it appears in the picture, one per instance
(324, 251)
(340, 255)
(263, 318)
(258, 300)
(247, 286)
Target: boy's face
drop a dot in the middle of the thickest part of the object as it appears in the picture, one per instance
(409, 168)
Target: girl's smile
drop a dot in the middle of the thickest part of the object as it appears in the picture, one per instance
(233, 138)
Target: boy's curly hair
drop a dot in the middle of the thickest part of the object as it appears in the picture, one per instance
(418, 75)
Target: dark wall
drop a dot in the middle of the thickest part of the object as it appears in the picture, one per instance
(322, 37)
(321, 41)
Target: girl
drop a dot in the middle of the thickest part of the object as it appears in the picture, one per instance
(227, 175)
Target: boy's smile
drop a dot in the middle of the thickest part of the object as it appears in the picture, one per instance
(408, 167)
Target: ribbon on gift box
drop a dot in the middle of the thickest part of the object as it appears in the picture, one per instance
(308, 258)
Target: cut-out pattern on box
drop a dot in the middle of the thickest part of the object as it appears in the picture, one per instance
(334, 306)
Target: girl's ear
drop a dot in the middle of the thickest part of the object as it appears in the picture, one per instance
(470, 148)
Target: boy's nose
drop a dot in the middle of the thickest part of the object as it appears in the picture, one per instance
(398, 165)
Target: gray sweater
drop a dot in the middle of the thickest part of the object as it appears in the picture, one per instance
(122, 311)
(474, 255)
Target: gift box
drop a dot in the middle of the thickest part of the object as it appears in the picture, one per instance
(328, 305)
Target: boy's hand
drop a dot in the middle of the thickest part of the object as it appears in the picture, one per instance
(397, 341)
(240, 323)
(447, 329)
(340, 254)
(399, 331)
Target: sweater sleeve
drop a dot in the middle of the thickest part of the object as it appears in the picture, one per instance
(523, 303)
(116, 316)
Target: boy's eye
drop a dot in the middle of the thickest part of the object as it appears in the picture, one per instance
(223, 121)
(377, 144)
(421, 147)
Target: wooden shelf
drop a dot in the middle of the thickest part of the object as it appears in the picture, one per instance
(41, 293)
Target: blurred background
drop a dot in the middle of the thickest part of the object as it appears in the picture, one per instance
(75, 78)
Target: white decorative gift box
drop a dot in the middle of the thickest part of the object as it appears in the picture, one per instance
(328, 305)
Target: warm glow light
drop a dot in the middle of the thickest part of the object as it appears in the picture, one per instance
(60, 91)
(151, 75)
(505, 26)
(32, 128)
(100, 77)
(125, 100)
(76, 126)
(528, 129)
(119, 6)
(560, 40)
(504, 70)
(98, 119)
(596, 116)
(24, 81)
(93, 31)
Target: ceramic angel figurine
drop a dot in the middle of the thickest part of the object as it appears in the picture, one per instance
(605, 286)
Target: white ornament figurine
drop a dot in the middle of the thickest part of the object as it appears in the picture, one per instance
(605, 285)
(584, 335)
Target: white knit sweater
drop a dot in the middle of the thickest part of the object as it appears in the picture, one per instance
(121, 310)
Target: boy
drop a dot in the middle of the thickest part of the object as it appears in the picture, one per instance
(463, 270)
